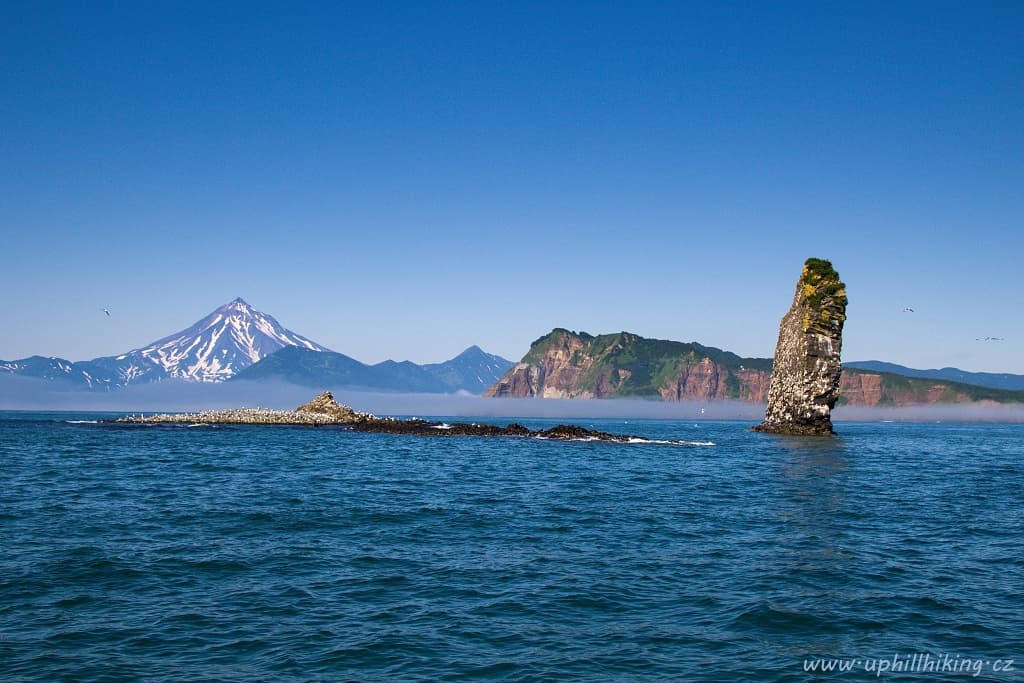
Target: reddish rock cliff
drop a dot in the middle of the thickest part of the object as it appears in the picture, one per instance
(566, 364)
(859, 388)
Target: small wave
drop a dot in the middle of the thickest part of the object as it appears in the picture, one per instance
(633, 440)
(443, 425)
(767, 616)
(582, 439)
(82, 422)
(672, 442)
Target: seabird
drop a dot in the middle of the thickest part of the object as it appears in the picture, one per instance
(106, 311)
(908, 309)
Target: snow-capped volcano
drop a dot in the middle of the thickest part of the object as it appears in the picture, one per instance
(228, 340)
(236, 336)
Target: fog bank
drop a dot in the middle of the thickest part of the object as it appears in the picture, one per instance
(943, 412)
(19, 393)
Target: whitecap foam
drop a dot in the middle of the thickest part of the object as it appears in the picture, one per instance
(671, 442)
(634, 440)
(82, 422)
(584, 439)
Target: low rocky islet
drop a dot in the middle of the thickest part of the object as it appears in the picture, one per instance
(324, 410)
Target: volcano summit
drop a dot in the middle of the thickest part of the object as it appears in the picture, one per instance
(214, 349)
(225, 342)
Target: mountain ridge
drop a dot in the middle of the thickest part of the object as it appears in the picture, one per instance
(993, 380)
(471, 371)
(235, 337)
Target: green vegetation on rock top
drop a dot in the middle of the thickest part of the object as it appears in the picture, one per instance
(820, 268)
(824, 293)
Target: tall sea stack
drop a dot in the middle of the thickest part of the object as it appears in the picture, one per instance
(805, 378)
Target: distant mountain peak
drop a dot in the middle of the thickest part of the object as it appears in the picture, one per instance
(476, 354)
(473, 351)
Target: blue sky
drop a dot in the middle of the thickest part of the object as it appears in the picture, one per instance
(402, 180)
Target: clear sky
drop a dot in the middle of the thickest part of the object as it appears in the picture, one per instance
(401, 180)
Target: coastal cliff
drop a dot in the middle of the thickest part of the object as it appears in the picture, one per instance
(862, 388)
(576, 365)
(566, 364)
(806, 373)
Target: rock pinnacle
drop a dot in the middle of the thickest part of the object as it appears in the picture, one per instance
(805, 377)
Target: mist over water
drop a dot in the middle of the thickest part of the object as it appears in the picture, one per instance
(19, 393)
(1013, 412)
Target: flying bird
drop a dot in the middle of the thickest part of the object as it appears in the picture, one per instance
(989, 339)
(908, 309)
(106, 311)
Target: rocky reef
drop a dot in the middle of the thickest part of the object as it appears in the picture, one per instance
(324, 410)
(807, 370)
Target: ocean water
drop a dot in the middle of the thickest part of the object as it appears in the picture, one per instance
(169, 553)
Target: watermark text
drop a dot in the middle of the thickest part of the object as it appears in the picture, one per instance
(918, 663)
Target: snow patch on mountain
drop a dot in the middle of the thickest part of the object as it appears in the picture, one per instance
(225, 342)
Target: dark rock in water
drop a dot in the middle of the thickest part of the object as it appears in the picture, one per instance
(561, 432)
(574, 432)
(805, 377)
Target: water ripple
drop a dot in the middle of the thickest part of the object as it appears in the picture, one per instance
(289, 554)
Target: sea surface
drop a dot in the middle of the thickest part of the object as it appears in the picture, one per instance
(247, 553)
